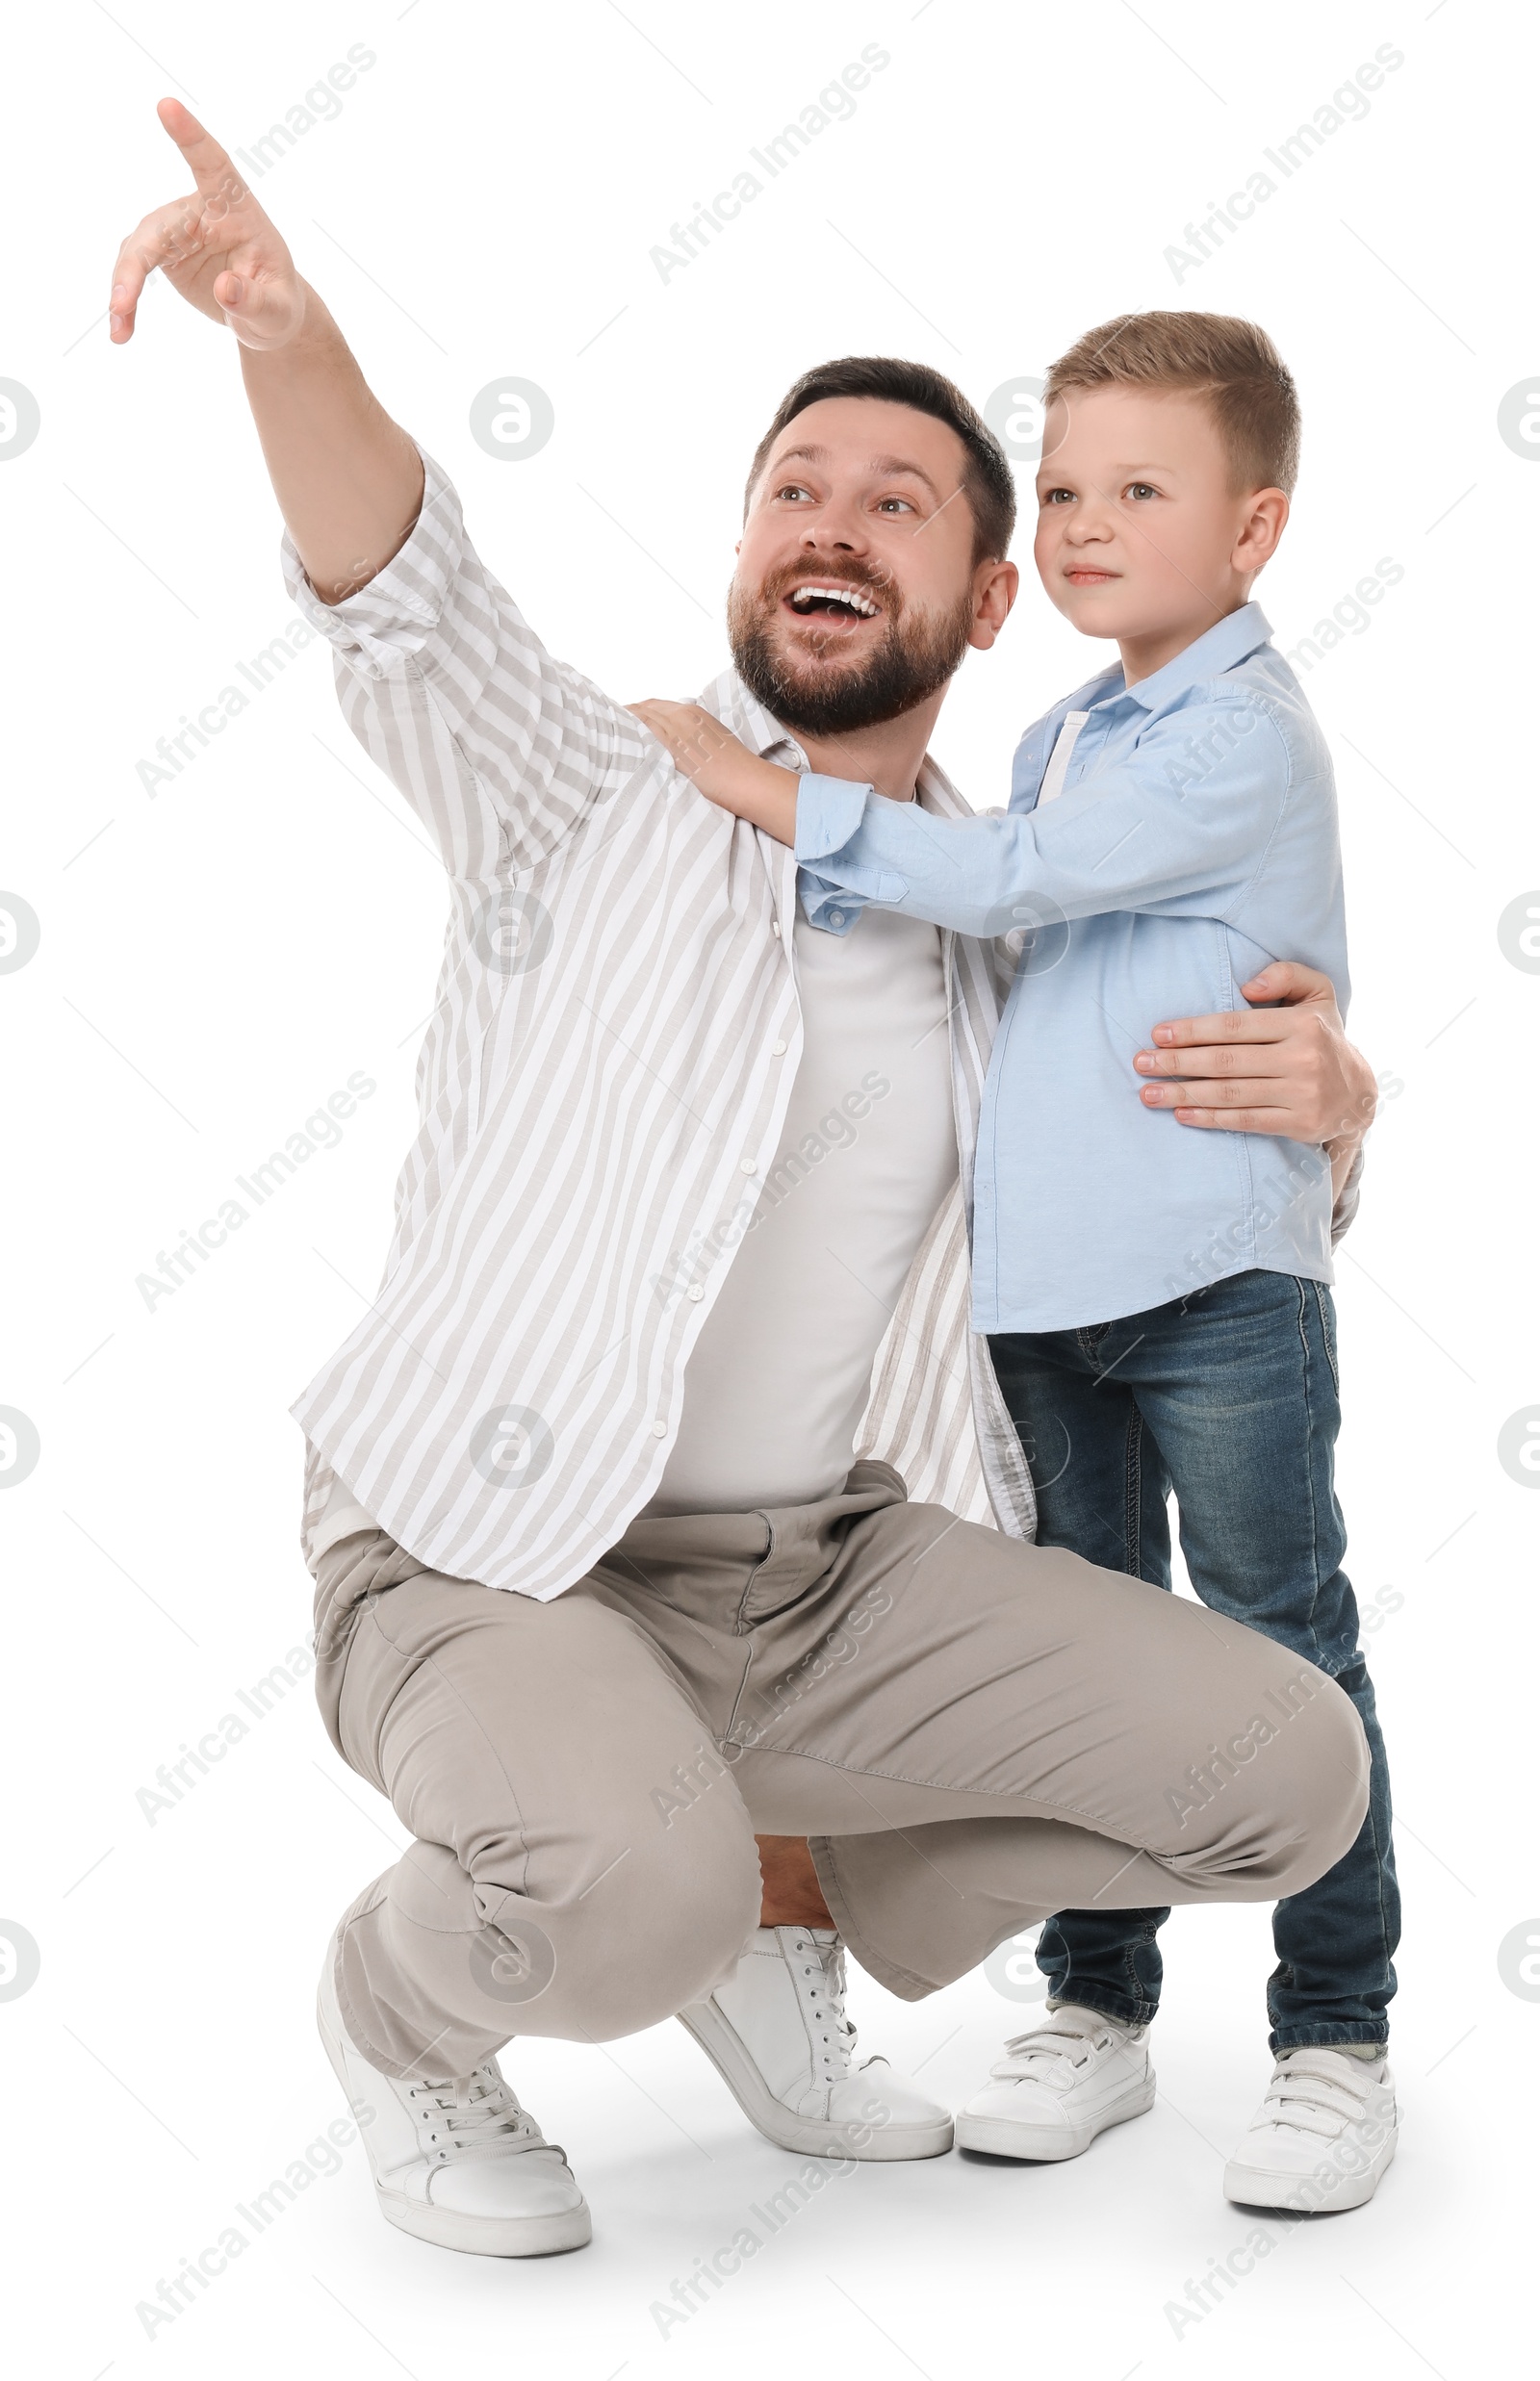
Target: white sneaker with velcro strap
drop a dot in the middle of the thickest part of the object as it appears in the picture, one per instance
(459, 2162)
(1323, 2136)
(1059, 2086)
(778, 2035)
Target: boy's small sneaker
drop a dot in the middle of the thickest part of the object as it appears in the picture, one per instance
(459, 2162)
(1059, 2085)
(1323, 2136)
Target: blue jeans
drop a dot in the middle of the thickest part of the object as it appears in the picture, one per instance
(1228, 1397)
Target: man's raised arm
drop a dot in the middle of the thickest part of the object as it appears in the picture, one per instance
(347, 479)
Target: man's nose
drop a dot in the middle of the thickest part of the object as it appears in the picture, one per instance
(841, 523)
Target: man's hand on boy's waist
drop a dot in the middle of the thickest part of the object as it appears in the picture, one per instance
(1289, 1071)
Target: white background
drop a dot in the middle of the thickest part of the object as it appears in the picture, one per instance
(218, 959)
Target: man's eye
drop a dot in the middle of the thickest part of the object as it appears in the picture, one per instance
(898, 503)
(791, 490)
(1140, 489)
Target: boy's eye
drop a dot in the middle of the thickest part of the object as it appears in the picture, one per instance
(1057, 496)
(1140, 489)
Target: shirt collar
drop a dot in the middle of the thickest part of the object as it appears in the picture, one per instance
(730, 700)
(1229, 641)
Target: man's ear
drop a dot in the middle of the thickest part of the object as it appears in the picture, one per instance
(995, 592)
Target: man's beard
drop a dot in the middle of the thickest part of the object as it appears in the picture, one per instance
(914, 658)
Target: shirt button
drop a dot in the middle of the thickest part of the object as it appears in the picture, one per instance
(695, 1291)
(836, 917)
(750, 1165)
(660, 1430)
(778, 1049)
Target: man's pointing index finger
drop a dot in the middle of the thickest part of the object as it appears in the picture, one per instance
(212, 170)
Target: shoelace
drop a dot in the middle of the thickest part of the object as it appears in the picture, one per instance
(1046, 2046)
(1310, 2098)
(478, 2117)
(833, 2033)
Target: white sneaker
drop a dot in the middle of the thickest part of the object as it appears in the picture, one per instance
(1059, 2086)
(459, 2163)
(1323, 2136)
(778, 2035)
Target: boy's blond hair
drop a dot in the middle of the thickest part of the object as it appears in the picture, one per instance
(1219, 357)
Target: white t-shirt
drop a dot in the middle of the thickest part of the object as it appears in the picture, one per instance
(778, 1379)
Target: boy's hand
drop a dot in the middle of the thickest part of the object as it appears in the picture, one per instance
(1289, 1071)
(724, 770)
(216, 247)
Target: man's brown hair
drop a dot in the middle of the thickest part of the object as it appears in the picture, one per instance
(986, 480)
(1232, 363)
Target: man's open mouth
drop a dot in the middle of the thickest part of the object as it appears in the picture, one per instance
(827, 599)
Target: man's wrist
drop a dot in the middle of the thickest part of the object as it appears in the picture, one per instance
(315, 332)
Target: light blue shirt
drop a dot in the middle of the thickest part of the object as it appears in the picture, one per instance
(1193, 839)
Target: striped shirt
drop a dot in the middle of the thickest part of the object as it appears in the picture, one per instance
(607, 1066)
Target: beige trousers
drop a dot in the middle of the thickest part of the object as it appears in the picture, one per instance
(972, 1733)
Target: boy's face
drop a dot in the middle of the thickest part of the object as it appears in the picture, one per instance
(1141, 535)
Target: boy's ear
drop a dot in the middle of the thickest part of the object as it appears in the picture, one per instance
(1266, 517)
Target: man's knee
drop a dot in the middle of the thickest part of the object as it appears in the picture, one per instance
(1272, 1808)
(652, 1916)
(1322, 1742)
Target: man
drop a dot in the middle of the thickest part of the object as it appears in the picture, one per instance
(647, 1504)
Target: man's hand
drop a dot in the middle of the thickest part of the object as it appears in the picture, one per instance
(348, 479)
(1289, 1071)
(216, 247)
(724, 770)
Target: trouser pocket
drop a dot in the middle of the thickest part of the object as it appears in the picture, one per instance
(804, 1542)
(1327, 1310)
(347, 1577)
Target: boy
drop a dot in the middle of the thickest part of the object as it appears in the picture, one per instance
(1157, 1301)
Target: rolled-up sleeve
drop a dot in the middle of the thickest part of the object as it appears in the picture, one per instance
(1180, 823)
(494, 745)
(1348, 1199)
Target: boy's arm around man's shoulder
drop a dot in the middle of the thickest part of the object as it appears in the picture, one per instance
(1181, 824)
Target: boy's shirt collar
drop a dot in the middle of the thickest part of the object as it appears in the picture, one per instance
(1230, 641)
(1218, 648)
